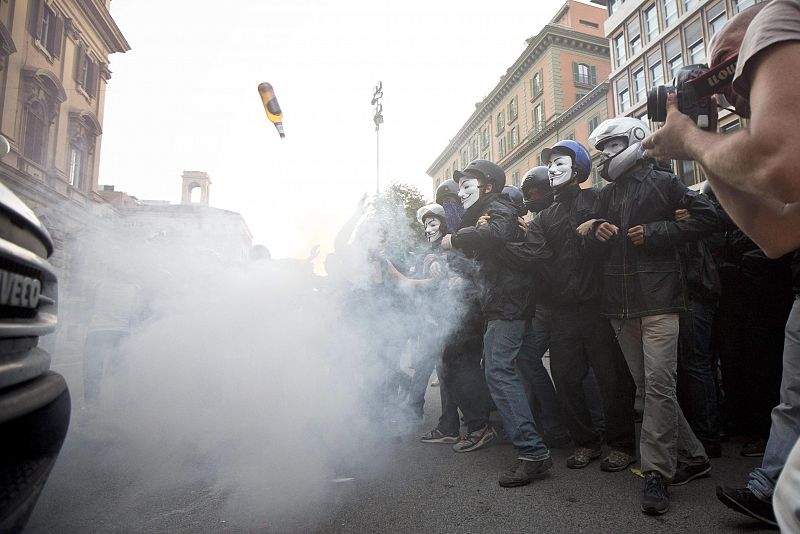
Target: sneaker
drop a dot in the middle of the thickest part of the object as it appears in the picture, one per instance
(475, 440)
(523, 472)
(436, 436)
(754, 448)
(582, 456)
(686, 473)
(616, 461)
(655, 499)
(743, 501)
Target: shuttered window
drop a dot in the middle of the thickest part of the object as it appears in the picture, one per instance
(46, 26)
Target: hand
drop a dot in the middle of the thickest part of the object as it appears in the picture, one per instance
(681, 215)
(436, 269)
(483, 220)
(522, 225)
(669, 141)
(606, 231)
(636, 234)
(447, 243)
(584, 228)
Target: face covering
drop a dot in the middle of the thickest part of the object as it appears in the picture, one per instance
(559, 169)
(433, 229)
(468, 191)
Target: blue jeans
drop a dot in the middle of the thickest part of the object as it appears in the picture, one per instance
(785, 416)
(541, 393)
(502, 343)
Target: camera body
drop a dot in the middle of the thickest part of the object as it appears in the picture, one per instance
(694, 99)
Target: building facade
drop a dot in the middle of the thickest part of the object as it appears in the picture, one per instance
(555, 90)
(54, 67)
(650, 40)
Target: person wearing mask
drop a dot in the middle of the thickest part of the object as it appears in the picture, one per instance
(644, 293)
(506, 305)
(581, 338)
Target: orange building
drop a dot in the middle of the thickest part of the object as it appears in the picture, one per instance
(555, 90)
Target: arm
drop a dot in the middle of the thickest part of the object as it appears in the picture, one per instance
(762, 160)
(700, 221)
(501, 229)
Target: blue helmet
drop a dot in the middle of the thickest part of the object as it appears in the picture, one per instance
(580, 156)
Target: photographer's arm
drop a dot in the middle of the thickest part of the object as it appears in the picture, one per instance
(761, 160)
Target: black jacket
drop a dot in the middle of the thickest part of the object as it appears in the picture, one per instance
(642, 280)
(506, 293)
(571, 275)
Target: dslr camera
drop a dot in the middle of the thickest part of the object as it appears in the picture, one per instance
(693, 86)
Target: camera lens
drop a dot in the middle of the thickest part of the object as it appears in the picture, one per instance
(657, 102)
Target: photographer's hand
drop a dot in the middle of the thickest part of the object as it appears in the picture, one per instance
(676, 138)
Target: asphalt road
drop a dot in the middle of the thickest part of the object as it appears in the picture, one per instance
(404, 486)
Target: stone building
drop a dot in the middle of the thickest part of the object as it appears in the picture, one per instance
(556, 89)
(650, 40)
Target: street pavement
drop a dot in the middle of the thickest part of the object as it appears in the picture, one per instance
(405, 486)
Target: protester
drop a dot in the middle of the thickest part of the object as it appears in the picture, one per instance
(753, 173)
(507, 309)
(643, 294)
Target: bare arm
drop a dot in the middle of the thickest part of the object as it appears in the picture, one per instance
(762, 160)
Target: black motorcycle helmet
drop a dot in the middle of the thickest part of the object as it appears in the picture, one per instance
(486, 172)
(515, 195)
(447, 189)
(536, 189)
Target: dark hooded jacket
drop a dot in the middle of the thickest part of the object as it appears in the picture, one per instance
(506, 293)
(642, 280)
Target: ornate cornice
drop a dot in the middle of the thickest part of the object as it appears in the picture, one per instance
(104, 24)
(551, 35)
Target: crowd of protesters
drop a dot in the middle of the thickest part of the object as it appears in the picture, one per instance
(657, 303)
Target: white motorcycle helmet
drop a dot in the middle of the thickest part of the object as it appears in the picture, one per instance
(634, 131)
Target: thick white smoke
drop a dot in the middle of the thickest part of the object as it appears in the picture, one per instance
(255, 381)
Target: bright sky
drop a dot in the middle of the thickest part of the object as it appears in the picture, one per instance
(185, 98)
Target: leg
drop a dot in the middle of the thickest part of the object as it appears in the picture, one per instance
(501, 346)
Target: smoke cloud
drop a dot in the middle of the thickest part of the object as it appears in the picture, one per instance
(252, 386)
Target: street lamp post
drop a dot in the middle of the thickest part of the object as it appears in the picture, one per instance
(377, 118)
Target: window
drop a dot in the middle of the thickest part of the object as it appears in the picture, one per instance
(515, 178)
(536, 84)
(619, 49)
(538, 118)
(584, 74)
(501, 147)
(570, 136)
(593, 123)
(688, 4)
(464, 158)
(514, 137)
(86, 72)
(639, 85)
(651, 22)
(717, 17)
(589, 23)
(670, 12)
(743, 4)
(486, 156)
(501, 122)
(578, 96)
(512, 110)
(634, 35)
(674, 55)
(613, 5)
(77, 157)
(623, 95)
(654, 67)
(693, 34)
(473, 154)
(36, 131)
(46, 27)
(485, 137)
(686, 172)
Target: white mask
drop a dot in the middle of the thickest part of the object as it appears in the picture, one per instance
(559, 169)
(433, 229)
(468, 191)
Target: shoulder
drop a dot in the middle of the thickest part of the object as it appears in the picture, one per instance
(778, 22)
